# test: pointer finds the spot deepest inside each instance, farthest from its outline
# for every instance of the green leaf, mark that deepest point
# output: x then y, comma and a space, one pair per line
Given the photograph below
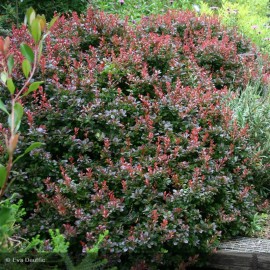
3, 107
3, 175
42, 22
10, 86
54, 19
18, 114
10, 63
36, 30
30, 16
32, 147
27, 52
34, 86
26, 67
5, 215
4, 77
28, 149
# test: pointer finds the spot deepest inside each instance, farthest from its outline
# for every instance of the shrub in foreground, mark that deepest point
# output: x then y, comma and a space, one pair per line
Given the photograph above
137, 140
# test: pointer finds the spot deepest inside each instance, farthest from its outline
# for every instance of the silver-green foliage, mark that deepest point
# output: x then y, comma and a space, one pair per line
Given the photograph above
251, 107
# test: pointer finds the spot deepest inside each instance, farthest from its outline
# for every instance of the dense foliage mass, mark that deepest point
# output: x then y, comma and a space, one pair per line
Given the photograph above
136, 138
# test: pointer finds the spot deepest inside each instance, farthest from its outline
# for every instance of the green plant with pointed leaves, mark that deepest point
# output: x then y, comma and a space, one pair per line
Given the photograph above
37, 28
90, 261
14, 110
10, 214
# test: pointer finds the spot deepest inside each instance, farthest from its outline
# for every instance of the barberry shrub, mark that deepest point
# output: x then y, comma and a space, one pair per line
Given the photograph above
136, 138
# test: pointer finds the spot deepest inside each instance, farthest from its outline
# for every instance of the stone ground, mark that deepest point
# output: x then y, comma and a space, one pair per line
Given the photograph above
247, 245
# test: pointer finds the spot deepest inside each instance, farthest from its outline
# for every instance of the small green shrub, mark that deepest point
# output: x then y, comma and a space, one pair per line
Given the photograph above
10, 215
258, 223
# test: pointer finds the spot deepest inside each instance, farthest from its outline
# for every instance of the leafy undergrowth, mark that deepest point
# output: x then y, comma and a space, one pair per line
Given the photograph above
137, 139
250, 17
260, 223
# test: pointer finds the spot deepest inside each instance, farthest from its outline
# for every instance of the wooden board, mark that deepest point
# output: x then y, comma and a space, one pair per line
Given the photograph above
229, 260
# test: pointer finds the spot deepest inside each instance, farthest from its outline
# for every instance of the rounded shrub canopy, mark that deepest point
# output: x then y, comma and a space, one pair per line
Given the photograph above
136, 138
